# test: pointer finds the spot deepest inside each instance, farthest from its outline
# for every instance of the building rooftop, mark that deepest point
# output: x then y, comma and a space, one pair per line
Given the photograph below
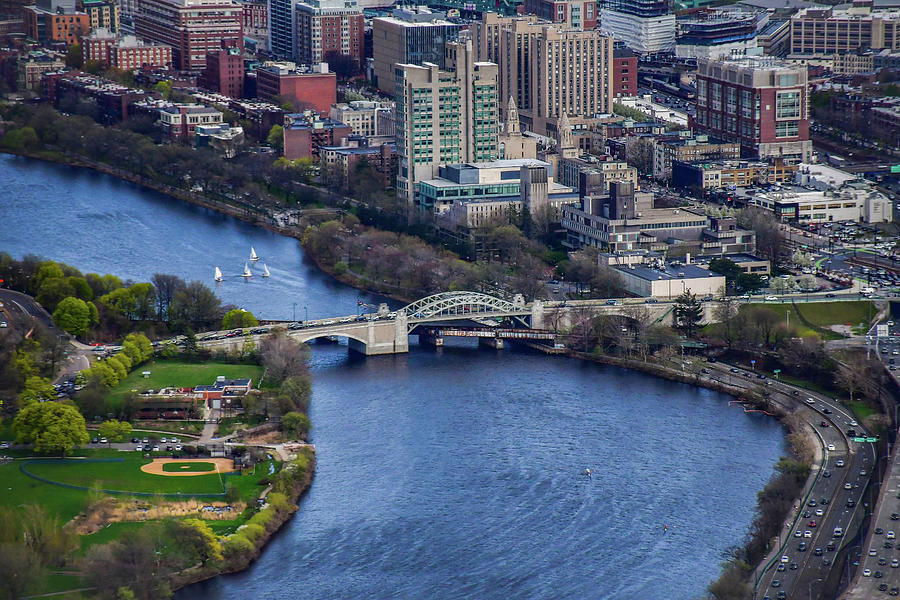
669, 272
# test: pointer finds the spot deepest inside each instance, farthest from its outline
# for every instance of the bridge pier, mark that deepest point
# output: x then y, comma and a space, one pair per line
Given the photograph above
426, 339
491, 342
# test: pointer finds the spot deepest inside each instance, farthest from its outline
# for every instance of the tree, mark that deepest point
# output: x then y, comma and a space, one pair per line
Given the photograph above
276, 138
295, 393
725, 313
121, 300
688, 312
53, 427
114, 430
37, 388
237, 318
20, 570
283, 357
166, 287
164, 88
295, 425
195, 537
74, 57
196, 305
639, 154
73, 315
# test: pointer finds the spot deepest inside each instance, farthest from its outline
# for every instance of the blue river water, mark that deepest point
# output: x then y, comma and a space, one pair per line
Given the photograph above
452, 473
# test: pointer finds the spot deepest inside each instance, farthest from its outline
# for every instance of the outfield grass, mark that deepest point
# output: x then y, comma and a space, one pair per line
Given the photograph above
188, 467
125, 476
174, 373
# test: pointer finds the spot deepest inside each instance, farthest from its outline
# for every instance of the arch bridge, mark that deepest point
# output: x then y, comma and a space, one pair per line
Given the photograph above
387, 332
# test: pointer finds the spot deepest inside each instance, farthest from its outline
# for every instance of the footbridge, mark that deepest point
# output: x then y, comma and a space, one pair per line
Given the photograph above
387, 332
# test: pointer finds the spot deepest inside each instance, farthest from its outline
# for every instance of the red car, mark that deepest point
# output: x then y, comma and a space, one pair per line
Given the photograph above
812, 523
824, 423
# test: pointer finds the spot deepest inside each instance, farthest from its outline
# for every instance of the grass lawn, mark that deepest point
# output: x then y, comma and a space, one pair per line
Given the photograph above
174, 373
111, 532
793, 318
188, 467
852, 312
125, 476
17, 488
59, 582
861, 410
183, 427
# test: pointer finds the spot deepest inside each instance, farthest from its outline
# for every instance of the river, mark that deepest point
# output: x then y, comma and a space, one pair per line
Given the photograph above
451, 473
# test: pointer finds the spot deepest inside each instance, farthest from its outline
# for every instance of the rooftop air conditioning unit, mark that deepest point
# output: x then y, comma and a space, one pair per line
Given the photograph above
681, 274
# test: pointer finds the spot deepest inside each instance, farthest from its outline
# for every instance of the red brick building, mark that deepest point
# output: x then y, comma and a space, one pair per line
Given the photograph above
305, 133
759, 102
192, 28
224, 72
625, 73
329, 26
312, 89
255, 15
124, 52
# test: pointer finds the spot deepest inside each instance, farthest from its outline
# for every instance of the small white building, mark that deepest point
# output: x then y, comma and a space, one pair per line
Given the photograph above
670, 281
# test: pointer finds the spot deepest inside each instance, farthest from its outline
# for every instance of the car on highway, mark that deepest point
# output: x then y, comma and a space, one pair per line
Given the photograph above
890, 535
801, 547
810, 400
826, 473
831, 448
771, 298
824, 423
819, 512
807, 534
867, 573
839, 463
895, 516
873, 552
848, 486
785, 559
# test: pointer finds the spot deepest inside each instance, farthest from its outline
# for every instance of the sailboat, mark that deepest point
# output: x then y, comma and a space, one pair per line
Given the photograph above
246, 272
265, 272
253, 256
218, 276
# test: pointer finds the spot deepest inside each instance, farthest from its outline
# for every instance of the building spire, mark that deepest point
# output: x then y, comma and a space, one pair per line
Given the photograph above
565, 139
512, 118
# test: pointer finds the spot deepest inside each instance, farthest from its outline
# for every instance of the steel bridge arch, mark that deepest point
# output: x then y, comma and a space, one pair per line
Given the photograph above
461, 304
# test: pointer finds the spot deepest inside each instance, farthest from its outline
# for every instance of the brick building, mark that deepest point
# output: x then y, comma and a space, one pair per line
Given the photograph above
224, 72
256, 22
326, 27
114, 101
305, 133
577, 14
314, 88
339, 162
759, 102
124, 51
191, 27
51, 21
625, 73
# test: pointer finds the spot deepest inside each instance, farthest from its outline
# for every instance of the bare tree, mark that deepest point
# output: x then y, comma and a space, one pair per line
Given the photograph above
283, 357
725, 313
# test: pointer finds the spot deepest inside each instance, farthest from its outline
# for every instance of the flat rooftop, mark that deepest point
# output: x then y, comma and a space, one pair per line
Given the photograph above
678, 273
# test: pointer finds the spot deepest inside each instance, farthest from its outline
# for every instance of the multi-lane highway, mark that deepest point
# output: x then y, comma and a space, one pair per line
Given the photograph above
807, 548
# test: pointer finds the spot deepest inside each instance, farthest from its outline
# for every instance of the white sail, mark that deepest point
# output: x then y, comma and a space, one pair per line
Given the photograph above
218, 274
253, 256
247, 272
265, 272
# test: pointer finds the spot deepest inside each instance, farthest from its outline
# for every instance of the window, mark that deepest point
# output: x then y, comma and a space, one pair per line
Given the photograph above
787, 105
786, 129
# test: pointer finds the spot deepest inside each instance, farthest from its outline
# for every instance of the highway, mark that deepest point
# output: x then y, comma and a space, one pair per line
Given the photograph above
804, 571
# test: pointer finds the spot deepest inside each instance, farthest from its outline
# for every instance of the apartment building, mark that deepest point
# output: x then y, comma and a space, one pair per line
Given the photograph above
328, 28
820, 30
645, 26
444, 116
193, 28
412, 36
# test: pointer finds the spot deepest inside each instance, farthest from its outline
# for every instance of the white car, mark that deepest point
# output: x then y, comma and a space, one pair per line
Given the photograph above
867, 572
810, 400
873, 552
819, 512
853, 423
798, 533
785, 559
839, 463
163, 440
807, 534
831, 447
848, 486
890, 535
772, 298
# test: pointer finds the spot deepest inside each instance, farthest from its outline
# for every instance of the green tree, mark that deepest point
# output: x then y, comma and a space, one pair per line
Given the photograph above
52, 291
121, 300
20, 570
196, 536
144, 345
688, 313
81, 287
131, 349
295, 425
24, 138
237, 318
164, 88
114, 430
73, 315
36, 389
116, 365
47, 270
295, 392
74, 56
53, 427
276, 138
144, 296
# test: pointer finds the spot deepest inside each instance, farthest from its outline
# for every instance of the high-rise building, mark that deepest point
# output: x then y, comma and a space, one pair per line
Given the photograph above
549, 70
311, 31
255, 14
577, 14
412, 36
645, 26
192, 27
326, 28
759, 102
444, 116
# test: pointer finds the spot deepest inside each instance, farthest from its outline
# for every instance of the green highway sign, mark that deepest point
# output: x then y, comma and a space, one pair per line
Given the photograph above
859, 440
895, 168
871, 439
862, 440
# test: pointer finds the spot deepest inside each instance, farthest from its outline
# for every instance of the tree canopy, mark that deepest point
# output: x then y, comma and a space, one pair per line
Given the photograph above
237, 318
53, 427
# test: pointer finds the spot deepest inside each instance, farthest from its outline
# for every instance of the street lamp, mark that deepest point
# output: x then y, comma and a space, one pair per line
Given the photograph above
306, 309
295, 312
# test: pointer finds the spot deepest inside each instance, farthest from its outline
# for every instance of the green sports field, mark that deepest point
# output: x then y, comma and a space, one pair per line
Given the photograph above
124, 476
